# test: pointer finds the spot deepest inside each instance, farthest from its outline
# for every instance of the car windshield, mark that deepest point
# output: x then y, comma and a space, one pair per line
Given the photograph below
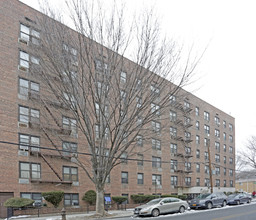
203, 196
232, 195
154, 201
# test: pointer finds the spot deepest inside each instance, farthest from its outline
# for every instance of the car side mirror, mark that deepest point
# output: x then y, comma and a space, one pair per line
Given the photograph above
161, 203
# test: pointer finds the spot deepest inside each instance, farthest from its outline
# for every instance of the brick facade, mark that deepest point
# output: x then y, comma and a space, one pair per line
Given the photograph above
13, 14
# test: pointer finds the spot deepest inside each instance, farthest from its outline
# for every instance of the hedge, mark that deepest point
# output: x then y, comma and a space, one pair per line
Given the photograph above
54, 197
90, 197
147, 198
119, 199
18, 202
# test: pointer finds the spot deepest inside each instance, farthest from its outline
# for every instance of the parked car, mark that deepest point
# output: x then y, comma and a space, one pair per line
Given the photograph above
161, 206
209, 200
238, 198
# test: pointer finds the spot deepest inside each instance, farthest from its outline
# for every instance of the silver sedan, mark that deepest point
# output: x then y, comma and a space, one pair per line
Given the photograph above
161, 206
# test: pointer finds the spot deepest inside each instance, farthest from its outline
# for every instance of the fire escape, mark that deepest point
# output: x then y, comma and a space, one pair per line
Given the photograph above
183, 138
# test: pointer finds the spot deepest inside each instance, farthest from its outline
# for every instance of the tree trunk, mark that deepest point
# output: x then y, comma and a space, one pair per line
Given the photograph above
100, 202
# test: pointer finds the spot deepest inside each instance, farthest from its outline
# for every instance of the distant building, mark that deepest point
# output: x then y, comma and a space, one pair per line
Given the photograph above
246, 181
26, 172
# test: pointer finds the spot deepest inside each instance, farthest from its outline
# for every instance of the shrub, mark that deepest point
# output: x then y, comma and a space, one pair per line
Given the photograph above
119, 199
90, 197
18, 202
54, 197
142, 198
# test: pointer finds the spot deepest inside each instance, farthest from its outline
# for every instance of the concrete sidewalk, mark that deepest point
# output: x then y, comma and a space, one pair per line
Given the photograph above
78, 216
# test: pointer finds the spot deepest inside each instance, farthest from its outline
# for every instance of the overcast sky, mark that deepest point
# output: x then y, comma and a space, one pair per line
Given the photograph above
227, 70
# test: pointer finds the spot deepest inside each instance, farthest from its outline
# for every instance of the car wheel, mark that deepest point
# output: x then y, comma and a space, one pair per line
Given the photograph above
249, 201
224, 203
182, 209
209, 205
155, 212
238, 202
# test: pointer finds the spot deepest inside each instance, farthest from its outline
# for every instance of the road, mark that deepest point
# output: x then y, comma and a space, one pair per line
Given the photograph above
247, 211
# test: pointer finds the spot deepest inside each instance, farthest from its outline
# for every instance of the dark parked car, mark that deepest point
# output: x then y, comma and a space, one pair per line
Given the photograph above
161, 206
238, 198
209, 200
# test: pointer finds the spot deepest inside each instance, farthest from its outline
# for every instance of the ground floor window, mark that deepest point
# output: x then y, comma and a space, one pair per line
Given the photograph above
71, 199
37, 197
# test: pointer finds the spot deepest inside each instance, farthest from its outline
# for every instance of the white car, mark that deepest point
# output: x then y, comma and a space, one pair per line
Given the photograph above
161, 206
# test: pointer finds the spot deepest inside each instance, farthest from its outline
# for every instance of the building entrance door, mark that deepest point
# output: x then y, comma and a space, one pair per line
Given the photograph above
3, 197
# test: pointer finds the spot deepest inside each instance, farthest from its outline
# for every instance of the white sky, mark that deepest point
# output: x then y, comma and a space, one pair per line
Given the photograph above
227, 70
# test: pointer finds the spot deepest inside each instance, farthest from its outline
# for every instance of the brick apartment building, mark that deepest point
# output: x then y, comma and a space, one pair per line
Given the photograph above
197, 131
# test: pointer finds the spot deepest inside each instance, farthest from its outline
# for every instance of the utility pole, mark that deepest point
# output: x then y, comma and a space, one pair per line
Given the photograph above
210, 164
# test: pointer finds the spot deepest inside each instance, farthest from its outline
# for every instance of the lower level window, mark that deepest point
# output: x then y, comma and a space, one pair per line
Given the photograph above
71, 199
37, 197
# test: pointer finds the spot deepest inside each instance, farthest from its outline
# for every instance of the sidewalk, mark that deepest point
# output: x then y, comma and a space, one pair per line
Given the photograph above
78, 216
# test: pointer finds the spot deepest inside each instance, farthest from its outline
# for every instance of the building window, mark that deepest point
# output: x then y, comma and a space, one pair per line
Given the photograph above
197, 139
155, 90
206, 182
27, 141
172, 99
124, 177
217, 147
187, 135
173, 148
139, 140
26, 59
224, 171
224, 136
69, 124
217, 120
231, 183
173, 116
97, 132
156, 144
187, 166
28, 88
224, 124
37, 197
173, 132
206, 169
217, 170
124, 157
224, 148
71, 199
230, 172
207, 116
138, 102
155, 109
197, 111
28, 115
68, 148
174, 164
187, 150
225, 183
186, 105
156, 162
188, 181
230, 160
30, 170
230, 149
217, 158
230, 139
156, 126
174, 180
206, 141
217, 182
207, 130
140, 159
230, 126
197, 154
140, 178
225, 159
197, 181
70, 173
198, 168
123, 96
206, 155
217, 133
156, 179
123, 77
29, 34
197, 125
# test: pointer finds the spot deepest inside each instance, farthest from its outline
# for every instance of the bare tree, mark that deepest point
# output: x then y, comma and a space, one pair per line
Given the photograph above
115, 103
248, 155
